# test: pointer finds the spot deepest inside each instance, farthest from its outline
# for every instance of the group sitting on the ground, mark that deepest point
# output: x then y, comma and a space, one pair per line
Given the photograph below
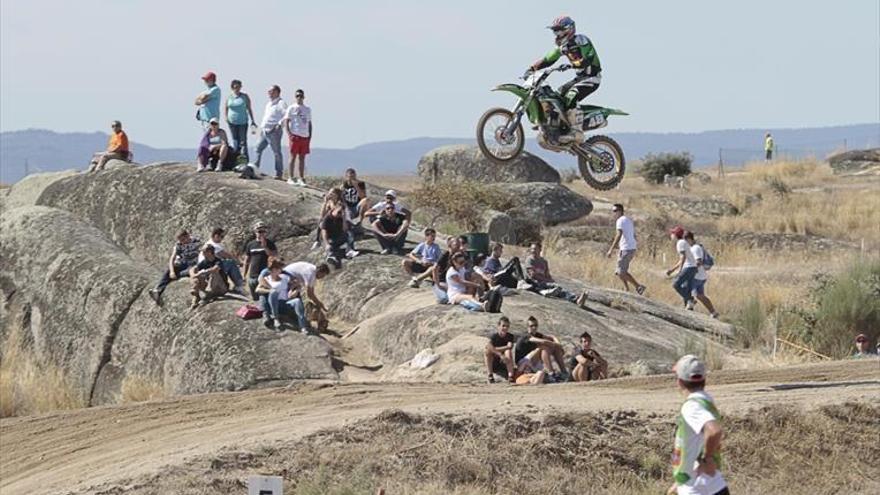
281, 289
117, 148
537, 358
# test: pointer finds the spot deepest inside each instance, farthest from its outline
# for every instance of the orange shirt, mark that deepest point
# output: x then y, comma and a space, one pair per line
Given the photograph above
118, 142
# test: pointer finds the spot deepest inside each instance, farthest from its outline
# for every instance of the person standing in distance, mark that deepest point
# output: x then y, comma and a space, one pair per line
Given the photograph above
237, 111
769, 146
625, 241
270, 130
298, 125
208, 101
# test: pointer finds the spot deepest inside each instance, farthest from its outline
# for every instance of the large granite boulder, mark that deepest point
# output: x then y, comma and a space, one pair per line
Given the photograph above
855, 161
463, 162
546, 203
81, 304
695, 207
142, 208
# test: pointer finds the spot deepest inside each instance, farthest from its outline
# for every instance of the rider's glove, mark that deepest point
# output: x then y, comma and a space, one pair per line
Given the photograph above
528, 73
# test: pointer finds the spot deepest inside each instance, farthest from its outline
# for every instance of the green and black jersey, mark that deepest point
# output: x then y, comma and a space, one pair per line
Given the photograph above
580, 52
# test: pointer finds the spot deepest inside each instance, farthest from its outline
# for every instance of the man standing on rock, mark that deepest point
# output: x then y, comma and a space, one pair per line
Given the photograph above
271, 131
625, 241
208, 100
696, 457
297, 123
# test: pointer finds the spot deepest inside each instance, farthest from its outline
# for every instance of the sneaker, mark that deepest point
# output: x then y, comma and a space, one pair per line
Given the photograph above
156, 296
305, 331
582, 299
267, 322
316, 245
334, 261
278, 177
195, 302
640, 290
414, 283
238, 289
292, 182
689, 305
351, 253
300, 181
491, 379
200, 169
277, 324
522, 285
386, 251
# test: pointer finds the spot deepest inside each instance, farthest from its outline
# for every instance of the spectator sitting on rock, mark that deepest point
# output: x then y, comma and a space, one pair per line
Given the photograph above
541, 281
354, 194
276, 295
420, 262
625, 242
457, 285
257, 253
303, 277
863, 347
439, 272
333, 232
184, 255
390, 229
214, 146
378, 208
509, 275
227, 260
699, 284
686, 266
117, 148
586, 364
499, 352
333, 200
536, 351
208, 276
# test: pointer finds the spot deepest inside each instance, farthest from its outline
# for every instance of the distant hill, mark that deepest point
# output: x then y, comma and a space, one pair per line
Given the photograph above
44, 150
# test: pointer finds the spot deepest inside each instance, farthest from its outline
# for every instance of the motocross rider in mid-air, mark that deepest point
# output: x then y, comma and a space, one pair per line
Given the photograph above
580, 52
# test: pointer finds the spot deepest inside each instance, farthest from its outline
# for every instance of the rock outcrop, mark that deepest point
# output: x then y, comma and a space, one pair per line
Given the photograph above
546, 203
696, 207
462, 162
855, 161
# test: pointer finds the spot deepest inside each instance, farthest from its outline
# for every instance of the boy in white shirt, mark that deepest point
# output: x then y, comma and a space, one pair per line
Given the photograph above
698, 288
298, 125
686, 266
696, 457
625, 242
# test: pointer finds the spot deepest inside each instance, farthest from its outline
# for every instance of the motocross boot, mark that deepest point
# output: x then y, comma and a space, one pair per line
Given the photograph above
575, 120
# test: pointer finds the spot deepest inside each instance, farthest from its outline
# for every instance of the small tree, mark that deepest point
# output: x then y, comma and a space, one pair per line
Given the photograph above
463, 202
656, 166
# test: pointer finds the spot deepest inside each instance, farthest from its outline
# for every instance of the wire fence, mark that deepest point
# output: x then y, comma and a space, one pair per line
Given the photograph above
796, 150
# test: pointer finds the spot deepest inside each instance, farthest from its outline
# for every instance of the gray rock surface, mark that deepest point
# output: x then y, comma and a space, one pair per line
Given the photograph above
463, 162
81, 303
546, 203
855, 161
696, 207
142, 208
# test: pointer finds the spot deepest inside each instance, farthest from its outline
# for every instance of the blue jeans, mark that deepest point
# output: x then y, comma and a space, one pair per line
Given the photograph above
275, 307
233, 271
180, 271
684, 282
272, 138
239, 138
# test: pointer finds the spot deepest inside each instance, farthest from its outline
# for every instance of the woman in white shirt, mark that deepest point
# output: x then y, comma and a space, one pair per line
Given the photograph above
702, 276
686, 266
275, 292
458, 284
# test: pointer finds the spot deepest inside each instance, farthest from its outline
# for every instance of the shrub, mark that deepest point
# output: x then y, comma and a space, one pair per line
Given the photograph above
656, 166
463, 202
752, 319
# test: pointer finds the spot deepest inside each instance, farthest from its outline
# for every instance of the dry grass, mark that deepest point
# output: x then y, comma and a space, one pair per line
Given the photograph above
28, 385
136, 389
611, 453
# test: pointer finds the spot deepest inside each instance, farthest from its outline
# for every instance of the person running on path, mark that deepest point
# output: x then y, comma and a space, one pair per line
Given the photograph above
625, 242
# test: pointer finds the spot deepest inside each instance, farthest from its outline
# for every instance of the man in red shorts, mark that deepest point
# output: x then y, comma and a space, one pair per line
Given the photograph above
298, 123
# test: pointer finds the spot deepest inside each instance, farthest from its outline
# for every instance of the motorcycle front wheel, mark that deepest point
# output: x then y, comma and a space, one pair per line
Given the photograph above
604, 168
497, 142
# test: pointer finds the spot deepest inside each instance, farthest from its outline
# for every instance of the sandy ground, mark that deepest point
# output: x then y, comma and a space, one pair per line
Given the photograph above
80, 451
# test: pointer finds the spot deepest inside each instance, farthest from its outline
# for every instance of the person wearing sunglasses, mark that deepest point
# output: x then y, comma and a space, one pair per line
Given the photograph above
213, 148
117, 148
390, 229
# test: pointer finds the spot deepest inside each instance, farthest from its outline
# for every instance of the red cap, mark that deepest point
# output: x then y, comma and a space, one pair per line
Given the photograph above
209, 75
861, 338
678, 231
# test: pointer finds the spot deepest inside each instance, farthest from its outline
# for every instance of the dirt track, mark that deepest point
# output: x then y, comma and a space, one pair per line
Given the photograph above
78, 451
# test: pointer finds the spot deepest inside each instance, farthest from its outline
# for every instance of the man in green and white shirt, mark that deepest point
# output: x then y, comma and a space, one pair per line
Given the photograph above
696, 458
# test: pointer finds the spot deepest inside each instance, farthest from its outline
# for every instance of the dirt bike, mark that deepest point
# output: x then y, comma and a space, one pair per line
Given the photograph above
500, 131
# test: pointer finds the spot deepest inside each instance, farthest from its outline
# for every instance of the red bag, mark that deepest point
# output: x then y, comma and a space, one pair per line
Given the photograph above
249, 312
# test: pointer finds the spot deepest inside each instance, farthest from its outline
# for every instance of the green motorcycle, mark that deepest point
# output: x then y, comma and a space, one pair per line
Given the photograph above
500, 131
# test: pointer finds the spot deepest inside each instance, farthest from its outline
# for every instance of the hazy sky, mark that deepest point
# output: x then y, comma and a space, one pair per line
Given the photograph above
382, 70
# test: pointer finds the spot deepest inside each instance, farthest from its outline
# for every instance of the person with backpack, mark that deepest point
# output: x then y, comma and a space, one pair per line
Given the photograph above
686, 267
696, 455
698, 288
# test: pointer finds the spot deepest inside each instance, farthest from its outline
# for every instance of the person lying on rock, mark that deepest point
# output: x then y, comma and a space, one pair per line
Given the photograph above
419, 263
207, 276
586, 364
533, 378
390, 230
541, 281
499, 352
184, 255
458, 285
303, 277
536, 351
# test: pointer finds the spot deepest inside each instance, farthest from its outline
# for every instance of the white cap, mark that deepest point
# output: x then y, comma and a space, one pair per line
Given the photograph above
214, 120
391, 192
690, 369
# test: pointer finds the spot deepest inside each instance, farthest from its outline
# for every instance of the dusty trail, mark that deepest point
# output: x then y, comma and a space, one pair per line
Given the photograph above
77, 451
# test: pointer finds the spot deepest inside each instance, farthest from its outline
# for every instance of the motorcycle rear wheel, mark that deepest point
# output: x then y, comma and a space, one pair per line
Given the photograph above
608, 173
496, 146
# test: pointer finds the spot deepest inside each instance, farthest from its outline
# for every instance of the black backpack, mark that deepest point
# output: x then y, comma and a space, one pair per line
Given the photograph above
494, 299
